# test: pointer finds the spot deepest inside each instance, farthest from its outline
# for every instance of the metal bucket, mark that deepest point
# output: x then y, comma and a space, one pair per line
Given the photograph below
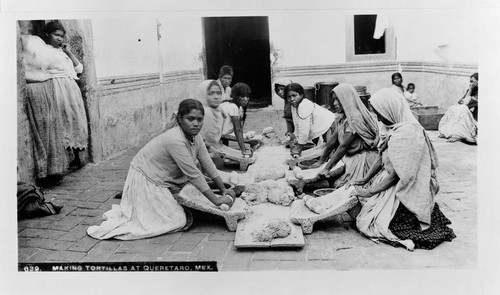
309, 92
323, 90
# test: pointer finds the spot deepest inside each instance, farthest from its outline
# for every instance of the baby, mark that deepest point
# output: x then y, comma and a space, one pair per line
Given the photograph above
411, 96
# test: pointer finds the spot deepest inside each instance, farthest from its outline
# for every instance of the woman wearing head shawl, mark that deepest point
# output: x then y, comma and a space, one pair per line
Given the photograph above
210, 96
400, 208
279, 88
354, 139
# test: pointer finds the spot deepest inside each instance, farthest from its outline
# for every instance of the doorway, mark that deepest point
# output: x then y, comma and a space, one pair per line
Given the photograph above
243, 44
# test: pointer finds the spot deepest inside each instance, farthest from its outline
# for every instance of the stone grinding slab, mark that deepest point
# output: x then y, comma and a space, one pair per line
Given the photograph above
225, 152
191, 197
254, 142
311, 175
340, 201
309, 154
260, 217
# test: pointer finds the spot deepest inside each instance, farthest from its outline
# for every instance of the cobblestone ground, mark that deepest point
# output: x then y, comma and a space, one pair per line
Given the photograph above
334, 244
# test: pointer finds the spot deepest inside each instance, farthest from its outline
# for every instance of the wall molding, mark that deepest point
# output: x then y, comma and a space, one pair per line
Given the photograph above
456, 69
117, 84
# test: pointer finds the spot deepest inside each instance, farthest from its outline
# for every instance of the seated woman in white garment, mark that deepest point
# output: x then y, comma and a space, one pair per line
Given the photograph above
460, 121
399, 207
234, 112
311, 121
354, 139
158, 171
210, 96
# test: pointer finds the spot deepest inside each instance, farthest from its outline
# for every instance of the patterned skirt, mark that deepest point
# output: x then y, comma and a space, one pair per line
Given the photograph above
405, 225
46, 128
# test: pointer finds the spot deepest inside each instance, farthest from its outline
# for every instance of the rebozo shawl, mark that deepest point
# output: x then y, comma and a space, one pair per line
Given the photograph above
358, 117
411, 153
214, 119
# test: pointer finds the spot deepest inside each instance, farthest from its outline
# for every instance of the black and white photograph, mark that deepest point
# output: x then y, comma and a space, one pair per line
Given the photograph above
230, 146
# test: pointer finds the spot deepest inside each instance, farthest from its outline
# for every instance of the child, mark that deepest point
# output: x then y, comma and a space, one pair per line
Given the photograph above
412, 97
279, 88
234, 112
310, 120
225, 78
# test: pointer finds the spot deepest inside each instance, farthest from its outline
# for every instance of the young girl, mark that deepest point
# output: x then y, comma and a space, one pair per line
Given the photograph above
235, 113
310, 120
412, 97
279, 88
225, 78
159, 170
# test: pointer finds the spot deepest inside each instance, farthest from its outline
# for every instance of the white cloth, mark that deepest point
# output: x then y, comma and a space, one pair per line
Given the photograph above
413, 99
229, 110
146, 210
459, 123
311, 121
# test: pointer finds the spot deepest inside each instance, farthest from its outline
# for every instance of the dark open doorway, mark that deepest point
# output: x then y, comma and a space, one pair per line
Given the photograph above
243, 44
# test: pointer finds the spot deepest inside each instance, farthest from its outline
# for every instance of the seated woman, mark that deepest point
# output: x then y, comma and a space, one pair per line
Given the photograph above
460, 121
234, 112
209, 94
279, 88
159, 170
354, 139
400, 207
310, 120
412, 97
397, 82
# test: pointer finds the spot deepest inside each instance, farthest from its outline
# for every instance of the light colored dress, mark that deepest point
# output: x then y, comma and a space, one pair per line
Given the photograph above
147, 207
229, 110
413, 99
226, 93
310, 121
68, 97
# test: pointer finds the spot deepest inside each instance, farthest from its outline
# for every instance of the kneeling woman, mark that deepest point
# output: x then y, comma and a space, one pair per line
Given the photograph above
400, 208
354, 139
311, 121
158, 171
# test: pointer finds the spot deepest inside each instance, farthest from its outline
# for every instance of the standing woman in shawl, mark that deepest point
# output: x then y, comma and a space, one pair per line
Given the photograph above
49, 153
354, 139
63, 68
225, 78
400, 208
460, 121
310, 120
158, 171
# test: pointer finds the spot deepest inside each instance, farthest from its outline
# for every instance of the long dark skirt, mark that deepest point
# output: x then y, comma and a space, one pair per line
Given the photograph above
405, 225
49, 152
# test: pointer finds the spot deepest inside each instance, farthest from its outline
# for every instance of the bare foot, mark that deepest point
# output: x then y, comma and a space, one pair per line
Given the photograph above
441, 135
452, 139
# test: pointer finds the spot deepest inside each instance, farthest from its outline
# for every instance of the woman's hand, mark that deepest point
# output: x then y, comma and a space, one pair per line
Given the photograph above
323, 173
361, 192
66, 48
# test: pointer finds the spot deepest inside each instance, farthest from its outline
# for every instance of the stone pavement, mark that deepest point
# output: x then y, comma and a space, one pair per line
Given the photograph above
333, 245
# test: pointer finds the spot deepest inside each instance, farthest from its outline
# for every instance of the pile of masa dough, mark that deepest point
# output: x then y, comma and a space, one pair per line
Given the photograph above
278, 192
270, 138
276, 228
